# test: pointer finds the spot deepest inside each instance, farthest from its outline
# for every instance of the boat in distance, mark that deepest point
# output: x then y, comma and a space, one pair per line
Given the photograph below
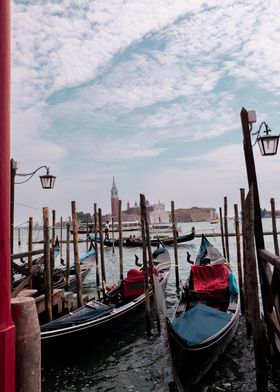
118, 308
126, 226
132, 242
205, 320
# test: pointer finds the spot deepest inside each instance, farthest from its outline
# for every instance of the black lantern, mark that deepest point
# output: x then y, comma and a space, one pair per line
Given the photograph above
268, 144
47, 181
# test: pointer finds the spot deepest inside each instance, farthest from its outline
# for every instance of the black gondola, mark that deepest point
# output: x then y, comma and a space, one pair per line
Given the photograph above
118, 308
205, 319
135, 242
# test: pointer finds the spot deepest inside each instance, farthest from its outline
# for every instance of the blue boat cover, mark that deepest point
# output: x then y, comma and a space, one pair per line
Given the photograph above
86, 255
83, 257
80, 316
200, 323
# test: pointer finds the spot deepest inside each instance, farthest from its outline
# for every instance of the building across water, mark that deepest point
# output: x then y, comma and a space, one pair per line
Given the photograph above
156, 213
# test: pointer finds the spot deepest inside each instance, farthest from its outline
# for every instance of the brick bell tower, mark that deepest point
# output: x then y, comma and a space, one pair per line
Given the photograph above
114, 199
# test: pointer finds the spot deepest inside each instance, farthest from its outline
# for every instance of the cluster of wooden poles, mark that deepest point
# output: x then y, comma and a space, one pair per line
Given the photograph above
258, 276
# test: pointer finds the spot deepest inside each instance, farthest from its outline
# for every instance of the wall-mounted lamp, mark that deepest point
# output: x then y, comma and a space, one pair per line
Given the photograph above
268, 143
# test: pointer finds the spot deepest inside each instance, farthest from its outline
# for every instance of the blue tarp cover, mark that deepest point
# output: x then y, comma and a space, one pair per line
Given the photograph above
80, 316
200, 323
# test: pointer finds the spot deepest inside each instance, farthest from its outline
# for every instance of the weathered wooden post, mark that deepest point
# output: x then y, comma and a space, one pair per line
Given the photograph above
246, 298
258, 228
120, 239
87, 237
222, 232
226, 227
67, 255
252, 292
175, 245
103, 273
53, 228
30, 245
96, 248
145, 267
19, 240
60, 237
113, 235
238, 250
274, 226
151, 266
76, 255
47, 265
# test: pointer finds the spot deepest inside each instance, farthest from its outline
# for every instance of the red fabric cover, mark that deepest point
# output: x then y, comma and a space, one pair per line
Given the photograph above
133, 284
133, 272
210, 280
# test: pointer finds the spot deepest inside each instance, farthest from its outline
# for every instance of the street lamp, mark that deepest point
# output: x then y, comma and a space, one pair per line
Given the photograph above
47, 182
268, 143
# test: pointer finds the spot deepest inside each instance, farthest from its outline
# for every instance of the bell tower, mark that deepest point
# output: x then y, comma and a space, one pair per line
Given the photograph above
114, 199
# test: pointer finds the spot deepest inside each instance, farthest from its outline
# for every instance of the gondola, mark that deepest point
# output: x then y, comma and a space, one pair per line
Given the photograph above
59, 272
86, 263
205, 319
135, 242
119, 307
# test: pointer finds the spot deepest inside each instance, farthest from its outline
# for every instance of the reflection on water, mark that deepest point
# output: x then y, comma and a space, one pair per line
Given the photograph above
132, 362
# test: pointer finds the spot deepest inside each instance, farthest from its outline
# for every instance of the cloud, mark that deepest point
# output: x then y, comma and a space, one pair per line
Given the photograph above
104, 87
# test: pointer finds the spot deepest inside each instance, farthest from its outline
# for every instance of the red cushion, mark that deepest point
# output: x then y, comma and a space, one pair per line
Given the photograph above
210, 280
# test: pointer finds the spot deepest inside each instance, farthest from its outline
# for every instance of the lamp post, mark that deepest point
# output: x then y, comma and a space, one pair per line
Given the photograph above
47, 182
268, 146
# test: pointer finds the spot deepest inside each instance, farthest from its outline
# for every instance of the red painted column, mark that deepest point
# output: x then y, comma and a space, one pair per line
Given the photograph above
7, 328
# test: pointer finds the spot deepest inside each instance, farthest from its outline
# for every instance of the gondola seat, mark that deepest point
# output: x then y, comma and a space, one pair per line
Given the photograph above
210, 281
133, 284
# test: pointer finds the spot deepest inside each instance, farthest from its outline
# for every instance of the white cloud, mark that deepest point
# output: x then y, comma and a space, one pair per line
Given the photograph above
122, 82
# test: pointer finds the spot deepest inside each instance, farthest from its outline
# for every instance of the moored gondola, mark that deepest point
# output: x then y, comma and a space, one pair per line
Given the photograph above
132, 242
117, 309
205, 319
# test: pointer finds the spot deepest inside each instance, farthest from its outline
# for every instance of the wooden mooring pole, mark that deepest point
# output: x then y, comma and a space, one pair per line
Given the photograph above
76, 255
226, 228
61, 239
151, 267
47, 265
175, 246
239, 265
145, 267
103, 273
53, 228
222, 232
30, 245
67, 255
19, 240
252, 293
120, 239
274, 227
113, 235
96, 248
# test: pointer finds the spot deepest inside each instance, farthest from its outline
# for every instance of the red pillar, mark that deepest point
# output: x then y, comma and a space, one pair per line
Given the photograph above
7, 328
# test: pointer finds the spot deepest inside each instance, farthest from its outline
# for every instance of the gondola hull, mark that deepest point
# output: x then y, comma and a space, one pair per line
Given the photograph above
154, 242
205, 319
102, 318
190, 364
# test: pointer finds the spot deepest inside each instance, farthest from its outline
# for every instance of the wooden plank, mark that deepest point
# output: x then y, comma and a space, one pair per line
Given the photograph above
26, 254
57, 299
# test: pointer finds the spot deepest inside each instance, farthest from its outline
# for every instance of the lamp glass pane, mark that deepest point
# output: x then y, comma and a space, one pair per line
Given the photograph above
268, 145
47, 181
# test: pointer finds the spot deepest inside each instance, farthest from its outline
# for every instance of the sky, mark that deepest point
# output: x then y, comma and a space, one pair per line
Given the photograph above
148, 91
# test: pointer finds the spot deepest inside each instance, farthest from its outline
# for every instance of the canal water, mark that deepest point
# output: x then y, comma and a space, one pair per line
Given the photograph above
131, 361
